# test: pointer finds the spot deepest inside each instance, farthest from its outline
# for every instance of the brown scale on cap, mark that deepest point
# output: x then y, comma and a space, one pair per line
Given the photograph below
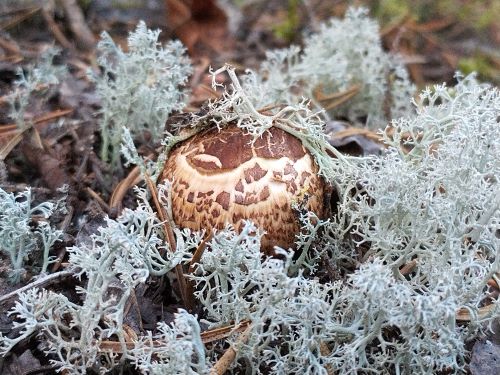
220, 177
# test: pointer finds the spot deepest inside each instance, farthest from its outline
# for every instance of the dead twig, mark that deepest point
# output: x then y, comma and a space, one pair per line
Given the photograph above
132, 179
84, 38
11, 135
464, 315
40, 120
10, 46
199, 252
41, 282
98, 199
222, 365
223, 332
8, 146
206, 337
352, 131
331, 101
408, 267
13, 59
53, 27
167, 227
25, 14
431, 26
192, 266
399, 23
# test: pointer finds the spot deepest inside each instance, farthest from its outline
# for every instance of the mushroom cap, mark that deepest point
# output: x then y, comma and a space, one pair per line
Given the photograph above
220, 177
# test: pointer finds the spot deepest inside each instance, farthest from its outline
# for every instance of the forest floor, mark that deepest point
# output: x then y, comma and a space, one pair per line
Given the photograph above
61, 147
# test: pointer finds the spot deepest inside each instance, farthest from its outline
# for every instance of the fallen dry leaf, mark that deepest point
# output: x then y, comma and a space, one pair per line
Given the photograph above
200, 24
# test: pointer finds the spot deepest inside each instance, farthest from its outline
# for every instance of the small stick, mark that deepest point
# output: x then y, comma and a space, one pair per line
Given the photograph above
10, 144
170, 239
431, 26
16, 20
54, 28
161, 213
81, 32
199, 252
397, 24
195, 259
46, 280
98, 199
325, 350
358, 131
267, 108
133, 178
464, 315
222, 365
408, 267
42, 119
214, 94
10, 46
223, 332
206, 337
336, 99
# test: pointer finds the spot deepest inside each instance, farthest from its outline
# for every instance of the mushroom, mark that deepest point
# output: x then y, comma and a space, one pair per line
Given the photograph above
222, 176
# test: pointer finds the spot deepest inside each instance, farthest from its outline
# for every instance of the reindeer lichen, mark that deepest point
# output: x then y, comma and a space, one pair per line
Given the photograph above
139, 88
344, 55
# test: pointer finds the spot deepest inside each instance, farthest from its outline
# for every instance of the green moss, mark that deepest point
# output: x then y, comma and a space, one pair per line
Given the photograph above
84, 4
287, 30
387, 10
481, 64
477, 14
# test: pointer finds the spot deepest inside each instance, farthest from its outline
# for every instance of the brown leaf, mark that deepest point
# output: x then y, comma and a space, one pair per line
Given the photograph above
51, 169
200, 24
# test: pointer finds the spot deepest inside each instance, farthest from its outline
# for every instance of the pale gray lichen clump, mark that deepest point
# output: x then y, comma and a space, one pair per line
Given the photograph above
121, 255
20, 237
139, 88
343, 54
36, 79
432, 199
175, 349
436, 188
